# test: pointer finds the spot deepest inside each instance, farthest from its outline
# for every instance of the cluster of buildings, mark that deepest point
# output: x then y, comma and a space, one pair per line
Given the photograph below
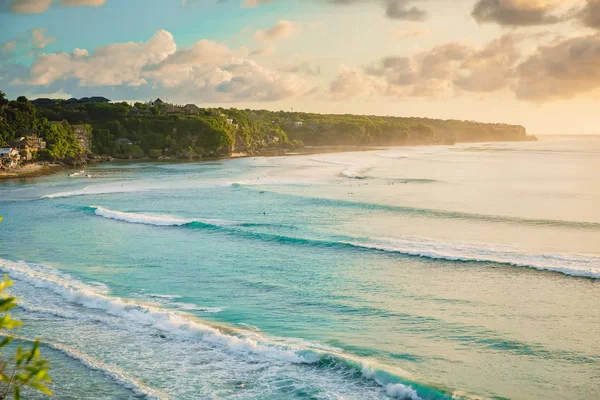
22, 149
167, 108
45, 102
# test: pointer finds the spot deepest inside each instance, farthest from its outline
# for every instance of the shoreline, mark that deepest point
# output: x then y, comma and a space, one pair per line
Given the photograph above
36, 170
32, 170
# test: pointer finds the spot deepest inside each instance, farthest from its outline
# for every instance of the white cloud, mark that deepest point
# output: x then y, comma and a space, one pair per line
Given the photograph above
79, 3
255, 3
39, 38
406, 33
31, 6
114, 64
207, 71
281, 30
41, 6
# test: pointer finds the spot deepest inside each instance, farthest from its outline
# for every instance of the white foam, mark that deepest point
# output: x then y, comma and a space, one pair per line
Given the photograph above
105, 189
579, 265
156, 219
111, 371
148, 219
147, 315
184, 326
194, 307
164, 296
393, 156
395, 390
352, 171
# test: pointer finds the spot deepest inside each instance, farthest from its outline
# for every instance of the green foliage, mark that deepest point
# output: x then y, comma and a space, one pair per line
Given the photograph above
20, 118
60, 140
211, 132
26, 368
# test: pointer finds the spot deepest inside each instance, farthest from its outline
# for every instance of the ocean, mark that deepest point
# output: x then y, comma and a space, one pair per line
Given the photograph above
469, 271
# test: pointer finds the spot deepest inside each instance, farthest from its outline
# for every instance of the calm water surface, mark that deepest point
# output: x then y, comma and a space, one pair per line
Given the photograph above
469, 271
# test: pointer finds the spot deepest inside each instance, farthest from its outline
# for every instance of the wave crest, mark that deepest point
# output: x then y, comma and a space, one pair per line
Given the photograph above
577, 265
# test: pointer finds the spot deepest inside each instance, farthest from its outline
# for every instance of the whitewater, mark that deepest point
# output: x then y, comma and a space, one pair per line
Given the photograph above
417, 273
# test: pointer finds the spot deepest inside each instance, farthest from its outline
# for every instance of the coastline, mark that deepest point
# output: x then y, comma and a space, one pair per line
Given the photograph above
35, 170
32, 170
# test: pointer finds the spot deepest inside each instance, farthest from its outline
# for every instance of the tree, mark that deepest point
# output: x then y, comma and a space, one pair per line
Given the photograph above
3, 99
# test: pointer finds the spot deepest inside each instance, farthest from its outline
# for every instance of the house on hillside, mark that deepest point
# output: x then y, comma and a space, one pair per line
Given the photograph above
99, 100
29, 145
173, 109
9, 157
134, 111
192, 109
94, 100
157, 102
298, 124
43, 102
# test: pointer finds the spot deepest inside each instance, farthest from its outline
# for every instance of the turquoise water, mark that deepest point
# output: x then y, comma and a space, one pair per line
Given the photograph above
469, 271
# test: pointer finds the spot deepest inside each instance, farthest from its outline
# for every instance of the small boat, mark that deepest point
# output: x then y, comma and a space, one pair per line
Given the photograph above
88, 176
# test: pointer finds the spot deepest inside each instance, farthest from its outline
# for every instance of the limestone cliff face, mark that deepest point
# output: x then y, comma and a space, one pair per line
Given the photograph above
83, 134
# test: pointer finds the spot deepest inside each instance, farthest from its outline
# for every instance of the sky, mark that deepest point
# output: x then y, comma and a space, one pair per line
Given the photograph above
530, 62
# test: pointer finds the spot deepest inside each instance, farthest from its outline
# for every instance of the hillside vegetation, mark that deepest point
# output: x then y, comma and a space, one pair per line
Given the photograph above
123, 131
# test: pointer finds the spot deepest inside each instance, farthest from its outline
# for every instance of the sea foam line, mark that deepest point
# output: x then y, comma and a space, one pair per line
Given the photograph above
156, 219
577, 265
181, 325
352, 171
112, 372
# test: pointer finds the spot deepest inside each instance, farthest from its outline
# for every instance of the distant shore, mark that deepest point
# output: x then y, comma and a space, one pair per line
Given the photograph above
32, 170
35, 170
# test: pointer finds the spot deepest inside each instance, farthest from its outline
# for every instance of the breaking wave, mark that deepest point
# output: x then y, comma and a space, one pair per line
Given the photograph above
238, 342
576, 265
352, 171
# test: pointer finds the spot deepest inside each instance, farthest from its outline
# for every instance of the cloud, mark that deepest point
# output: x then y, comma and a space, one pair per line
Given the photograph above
9, 46
428, 74
406, 33
533, 12
114, 64
268, 38
281, 30
351, 82
78, 3
590, 14
516, 12
264, 51
26, 45
255, 3
207, 71
30, 6
442, 71
394, 9
41, 6
400, 9
39, 38
303, 67
491, 68
563, 69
